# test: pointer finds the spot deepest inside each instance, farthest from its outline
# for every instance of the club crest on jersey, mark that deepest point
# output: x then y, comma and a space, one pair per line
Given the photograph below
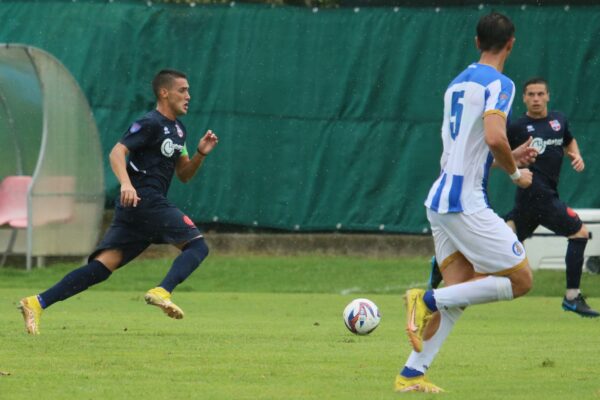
555, 125
166, 130
167, 148
179, 131
135, 127
517, 248
530, 128
502, 100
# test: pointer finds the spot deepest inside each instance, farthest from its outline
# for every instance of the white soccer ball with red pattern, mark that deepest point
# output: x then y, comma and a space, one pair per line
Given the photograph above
361, 316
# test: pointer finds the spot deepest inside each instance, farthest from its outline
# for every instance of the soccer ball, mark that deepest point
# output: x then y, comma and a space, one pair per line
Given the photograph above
361, 316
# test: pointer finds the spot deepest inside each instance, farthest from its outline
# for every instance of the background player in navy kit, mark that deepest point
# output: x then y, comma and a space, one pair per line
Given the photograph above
144, 161
539, 204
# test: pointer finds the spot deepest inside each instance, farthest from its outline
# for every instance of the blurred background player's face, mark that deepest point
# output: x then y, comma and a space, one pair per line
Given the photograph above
178, 96
536, 98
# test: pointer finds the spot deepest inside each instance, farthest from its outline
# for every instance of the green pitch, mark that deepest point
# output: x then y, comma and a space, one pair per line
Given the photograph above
271, 328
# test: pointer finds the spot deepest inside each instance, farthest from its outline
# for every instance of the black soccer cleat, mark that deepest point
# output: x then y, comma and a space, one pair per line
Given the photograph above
579, 306
435, 275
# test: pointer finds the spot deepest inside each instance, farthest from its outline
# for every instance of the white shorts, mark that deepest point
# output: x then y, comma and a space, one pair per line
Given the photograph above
483, 238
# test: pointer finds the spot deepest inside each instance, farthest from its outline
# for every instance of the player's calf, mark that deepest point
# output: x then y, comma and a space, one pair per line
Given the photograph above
521, 281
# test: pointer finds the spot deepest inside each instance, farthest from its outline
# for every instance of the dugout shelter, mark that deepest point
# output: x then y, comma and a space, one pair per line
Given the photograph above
52, 178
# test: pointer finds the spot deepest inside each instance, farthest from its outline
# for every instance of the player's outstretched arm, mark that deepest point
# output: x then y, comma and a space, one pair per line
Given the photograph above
186, 167
494, 127
572, 150
118, 164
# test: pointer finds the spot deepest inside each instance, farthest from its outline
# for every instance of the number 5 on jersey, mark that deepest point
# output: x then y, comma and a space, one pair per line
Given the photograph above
456, 113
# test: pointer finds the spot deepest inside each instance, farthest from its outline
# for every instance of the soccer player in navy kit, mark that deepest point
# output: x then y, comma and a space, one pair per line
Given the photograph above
540, 204
144, 161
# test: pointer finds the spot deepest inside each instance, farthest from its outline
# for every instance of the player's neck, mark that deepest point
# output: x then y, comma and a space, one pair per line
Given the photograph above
494, 60
540, 115
166, 112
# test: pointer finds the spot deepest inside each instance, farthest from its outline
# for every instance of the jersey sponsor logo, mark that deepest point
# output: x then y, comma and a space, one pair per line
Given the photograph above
540, 144
166, 130
554, 124
179, 131
135, 127
517, 248
530, 128
167, 148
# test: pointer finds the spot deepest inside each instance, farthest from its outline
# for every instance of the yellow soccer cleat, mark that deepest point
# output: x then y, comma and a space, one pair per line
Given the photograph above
161, 298
417, 316
416, 384
31, 309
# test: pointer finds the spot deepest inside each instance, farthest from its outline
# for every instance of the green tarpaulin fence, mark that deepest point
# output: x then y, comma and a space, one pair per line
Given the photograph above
328, 118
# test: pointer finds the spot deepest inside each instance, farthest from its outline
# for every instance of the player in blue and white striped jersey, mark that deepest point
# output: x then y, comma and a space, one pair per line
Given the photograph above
480, 257
466, 158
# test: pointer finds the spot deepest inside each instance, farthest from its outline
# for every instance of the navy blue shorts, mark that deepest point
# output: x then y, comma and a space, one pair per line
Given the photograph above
541, 206
155, 220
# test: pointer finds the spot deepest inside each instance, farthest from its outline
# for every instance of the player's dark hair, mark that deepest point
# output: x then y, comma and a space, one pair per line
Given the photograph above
165, 78
534, 81
494, 30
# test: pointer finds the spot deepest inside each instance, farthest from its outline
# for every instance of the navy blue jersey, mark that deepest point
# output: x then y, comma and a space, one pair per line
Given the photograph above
550, 134
155, 144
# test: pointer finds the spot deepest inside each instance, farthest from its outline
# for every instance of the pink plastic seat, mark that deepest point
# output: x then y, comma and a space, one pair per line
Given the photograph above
18, 223
13, 207
13, 199
56, 204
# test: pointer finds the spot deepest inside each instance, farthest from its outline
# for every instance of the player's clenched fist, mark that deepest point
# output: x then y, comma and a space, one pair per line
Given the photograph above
207, 143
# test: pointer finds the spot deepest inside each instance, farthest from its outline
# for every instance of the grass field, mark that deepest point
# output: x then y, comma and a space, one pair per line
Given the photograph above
270, 328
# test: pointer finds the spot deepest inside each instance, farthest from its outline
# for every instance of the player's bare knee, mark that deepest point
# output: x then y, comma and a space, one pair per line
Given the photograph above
583, 233
111, 259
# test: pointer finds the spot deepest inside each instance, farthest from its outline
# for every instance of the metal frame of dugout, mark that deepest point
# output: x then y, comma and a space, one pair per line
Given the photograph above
50, 141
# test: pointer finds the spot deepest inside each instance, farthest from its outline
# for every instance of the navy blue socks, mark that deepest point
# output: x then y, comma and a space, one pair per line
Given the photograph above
75, 282
95, 272
574, 261
190, 258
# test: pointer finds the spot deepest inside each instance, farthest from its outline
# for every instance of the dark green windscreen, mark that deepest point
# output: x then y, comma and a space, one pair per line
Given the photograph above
328, 119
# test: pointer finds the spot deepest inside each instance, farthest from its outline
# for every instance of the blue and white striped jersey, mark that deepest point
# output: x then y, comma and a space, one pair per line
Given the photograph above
478, 91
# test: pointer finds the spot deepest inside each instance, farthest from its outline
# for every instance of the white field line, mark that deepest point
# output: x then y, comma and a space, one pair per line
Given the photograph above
384, 289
